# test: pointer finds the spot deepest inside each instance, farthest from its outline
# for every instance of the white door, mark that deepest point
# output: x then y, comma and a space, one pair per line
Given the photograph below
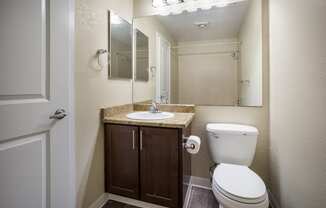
163, 70
35, 68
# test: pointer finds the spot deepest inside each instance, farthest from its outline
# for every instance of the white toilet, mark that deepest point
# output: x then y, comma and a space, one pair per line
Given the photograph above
232, 147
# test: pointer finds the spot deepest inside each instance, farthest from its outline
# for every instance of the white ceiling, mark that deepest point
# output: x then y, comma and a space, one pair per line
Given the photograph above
224, 23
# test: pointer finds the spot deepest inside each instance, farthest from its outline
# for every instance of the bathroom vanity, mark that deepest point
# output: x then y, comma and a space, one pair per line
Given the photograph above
146, 159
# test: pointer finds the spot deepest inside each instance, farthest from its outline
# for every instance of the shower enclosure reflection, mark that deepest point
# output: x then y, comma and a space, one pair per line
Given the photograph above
208, 57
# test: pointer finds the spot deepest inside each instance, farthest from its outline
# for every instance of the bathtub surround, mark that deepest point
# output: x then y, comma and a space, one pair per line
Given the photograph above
207, 65
297, 104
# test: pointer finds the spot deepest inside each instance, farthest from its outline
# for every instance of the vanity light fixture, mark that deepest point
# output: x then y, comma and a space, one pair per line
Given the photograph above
115, 19
167, 7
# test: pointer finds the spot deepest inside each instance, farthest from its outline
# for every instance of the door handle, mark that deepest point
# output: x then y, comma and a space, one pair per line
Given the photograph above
133, 139
59, 114
141, 140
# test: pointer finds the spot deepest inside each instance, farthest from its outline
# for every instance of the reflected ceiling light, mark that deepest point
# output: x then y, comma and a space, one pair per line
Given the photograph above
222, 4
171, 2
206, 6
176, 11
201, 25
191, 7
159, 3
178, 6
164, 12
115, 19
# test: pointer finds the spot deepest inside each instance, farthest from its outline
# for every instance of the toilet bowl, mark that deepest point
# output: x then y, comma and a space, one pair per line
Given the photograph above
237, 186
232, 147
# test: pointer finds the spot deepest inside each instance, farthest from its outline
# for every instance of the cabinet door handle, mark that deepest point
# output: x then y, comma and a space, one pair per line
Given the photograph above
133, 139
141, 140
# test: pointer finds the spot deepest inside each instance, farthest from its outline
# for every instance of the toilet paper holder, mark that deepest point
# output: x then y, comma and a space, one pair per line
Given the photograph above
187, 146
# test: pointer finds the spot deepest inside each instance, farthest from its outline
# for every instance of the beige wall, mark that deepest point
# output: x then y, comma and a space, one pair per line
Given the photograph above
298, 102
251, 52
93, 91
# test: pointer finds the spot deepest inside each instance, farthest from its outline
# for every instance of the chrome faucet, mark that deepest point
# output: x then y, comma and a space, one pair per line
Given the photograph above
154, 107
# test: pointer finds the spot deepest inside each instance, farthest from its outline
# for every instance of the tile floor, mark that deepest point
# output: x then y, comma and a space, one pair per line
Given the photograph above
199, 198
202, 198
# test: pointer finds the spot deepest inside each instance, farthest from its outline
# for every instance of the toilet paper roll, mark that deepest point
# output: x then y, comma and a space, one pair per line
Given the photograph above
193, 144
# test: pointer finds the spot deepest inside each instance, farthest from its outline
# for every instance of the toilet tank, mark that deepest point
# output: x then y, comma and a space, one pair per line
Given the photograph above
232, 143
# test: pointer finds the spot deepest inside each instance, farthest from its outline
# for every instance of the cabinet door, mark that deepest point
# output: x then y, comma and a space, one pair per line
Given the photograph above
159, 166
122, 160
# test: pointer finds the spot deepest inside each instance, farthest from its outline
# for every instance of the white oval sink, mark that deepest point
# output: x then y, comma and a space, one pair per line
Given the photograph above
145, 115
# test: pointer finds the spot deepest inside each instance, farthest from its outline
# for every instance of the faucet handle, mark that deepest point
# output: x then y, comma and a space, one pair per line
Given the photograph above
154, 107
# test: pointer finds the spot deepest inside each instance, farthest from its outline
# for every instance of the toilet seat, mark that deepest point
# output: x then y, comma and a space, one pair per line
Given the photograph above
239, 183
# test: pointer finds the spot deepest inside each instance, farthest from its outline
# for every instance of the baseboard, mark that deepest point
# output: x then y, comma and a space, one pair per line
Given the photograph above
188, 194
98, 203
272, 200
194, 182
101, 201
201, 182
133, 202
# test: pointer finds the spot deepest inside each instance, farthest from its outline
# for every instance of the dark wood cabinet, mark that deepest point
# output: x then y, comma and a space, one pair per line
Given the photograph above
122, 175
159, 166
147, 163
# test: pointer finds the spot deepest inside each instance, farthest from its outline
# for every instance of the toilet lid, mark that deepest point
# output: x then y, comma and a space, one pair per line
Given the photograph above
239, 183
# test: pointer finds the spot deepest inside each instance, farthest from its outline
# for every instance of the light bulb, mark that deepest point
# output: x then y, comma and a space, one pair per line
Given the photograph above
158, 3
171, 2
191, 7
164, 12
206, 6
222, 4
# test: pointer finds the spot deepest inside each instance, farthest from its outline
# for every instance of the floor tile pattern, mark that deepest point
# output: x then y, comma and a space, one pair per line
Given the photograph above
202, 198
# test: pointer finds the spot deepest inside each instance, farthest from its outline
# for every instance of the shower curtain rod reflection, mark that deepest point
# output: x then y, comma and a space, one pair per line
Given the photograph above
237, 43
232, 53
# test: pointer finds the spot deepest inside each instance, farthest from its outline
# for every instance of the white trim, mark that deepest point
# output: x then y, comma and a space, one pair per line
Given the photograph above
194, 182
272, 200
100, 202
158, 66
71, 106
188, 194
201, 182
159, 39
133, 202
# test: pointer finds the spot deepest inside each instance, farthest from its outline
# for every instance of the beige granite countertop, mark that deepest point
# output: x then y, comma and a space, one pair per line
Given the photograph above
183, 115
180, 120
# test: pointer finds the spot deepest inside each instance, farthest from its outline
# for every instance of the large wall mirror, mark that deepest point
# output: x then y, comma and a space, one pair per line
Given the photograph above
209, 57
120, 47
